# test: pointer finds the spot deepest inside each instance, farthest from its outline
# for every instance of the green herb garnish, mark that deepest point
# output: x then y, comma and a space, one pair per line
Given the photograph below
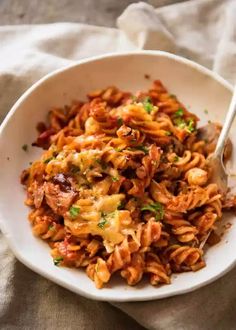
168, 133
180, 122
176, 158
25, 147
190, 127
179, 112
74, 211
46, 161
148, 106
103, 221
119, 121
114, 179
118, 149
173, 96
105, 217
156, 208
121, 205
142, 148
51, 227
57, 261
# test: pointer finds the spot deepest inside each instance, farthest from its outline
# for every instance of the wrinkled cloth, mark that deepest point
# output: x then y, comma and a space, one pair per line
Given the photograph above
201, 30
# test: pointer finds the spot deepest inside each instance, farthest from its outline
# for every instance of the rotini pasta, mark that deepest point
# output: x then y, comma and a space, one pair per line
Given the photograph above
124, 185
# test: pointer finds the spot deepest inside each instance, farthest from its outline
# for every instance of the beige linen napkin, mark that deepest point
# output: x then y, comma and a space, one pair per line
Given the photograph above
202, 30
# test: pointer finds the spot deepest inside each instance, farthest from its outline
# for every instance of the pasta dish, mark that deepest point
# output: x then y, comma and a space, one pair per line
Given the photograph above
123, 186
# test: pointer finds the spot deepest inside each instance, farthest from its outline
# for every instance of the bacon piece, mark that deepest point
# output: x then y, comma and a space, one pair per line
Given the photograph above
63, 181
58, 200
43, 140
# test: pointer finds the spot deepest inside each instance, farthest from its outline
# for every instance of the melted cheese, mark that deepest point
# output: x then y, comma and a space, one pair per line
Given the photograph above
99, 217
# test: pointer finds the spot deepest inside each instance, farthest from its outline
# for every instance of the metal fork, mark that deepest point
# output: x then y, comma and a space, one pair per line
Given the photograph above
219, 174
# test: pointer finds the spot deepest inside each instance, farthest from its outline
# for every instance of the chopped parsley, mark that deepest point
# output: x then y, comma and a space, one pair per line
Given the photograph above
105, 218
156, 208
51, 227
114, 178
74, 211
180, 122
119, 121
148, 106
25, 147
118, 149
103, 221
187, 125
176, 158
46, 161
142, 148
179, 112
173, 96
121, 205
168, 133
57, 261
190, 127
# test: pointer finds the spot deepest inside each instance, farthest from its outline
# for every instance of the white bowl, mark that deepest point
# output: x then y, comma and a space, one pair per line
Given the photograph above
195, 86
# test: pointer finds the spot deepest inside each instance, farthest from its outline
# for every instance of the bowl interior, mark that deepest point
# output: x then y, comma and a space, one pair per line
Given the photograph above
196, 88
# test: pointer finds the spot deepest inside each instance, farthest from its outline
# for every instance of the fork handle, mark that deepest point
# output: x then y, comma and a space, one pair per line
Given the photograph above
227, 124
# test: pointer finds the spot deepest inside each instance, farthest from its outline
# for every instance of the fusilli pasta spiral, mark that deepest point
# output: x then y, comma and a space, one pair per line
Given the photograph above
124, 185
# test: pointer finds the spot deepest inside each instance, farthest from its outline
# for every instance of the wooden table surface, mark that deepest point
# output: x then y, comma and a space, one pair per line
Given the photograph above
96, 12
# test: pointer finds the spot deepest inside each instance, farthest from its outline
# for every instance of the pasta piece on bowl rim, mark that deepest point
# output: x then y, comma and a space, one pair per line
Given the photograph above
120, 242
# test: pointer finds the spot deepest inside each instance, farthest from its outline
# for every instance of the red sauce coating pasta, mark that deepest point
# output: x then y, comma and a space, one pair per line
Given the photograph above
123, 185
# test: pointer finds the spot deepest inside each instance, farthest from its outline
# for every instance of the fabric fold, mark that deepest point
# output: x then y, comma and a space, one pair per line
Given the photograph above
200, 30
